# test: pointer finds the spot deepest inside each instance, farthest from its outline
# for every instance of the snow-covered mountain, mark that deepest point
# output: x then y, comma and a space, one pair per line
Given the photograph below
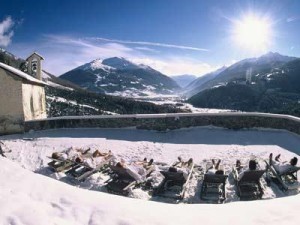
119, 76
10, 59
271, 86
257, 66
268, 60
184, 80
64, 98
194, 86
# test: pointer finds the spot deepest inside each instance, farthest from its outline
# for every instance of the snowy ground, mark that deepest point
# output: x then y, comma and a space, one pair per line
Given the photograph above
42, 199
179, 102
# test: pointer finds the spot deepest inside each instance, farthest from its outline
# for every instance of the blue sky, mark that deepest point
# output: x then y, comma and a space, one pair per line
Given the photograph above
173, 36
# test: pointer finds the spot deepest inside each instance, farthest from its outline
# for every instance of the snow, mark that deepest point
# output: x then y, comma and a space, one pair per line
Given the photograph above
143, 66
21, 74
179, 103
45, 76
97, 64
63, 100
47, 79
203, 110
109, 112
99, 78
220, 85
135, 93
42, 200
52, 84
147, 92
178, 115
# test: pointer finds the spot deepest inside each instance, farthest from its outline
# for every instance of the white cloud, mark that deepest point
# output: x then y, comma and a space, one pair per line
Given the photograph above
292, 19
63, 53
176, 65
6, 32
149, 43
147, 49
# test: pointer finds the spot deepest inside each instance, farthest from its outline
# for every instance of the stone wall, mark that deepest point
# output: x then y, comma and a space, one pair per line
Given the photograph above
164, 122
11, 110
11, 125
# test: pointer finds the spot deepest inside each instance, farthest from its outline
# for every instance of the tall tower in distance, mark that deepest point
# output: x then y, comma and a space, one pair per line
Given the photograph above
34, 65
249, 75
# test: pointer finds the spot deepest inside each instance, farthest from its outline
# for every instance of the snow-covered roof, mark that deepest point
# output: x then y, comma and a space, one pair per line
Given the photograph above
178, 115
37, 54
21, 74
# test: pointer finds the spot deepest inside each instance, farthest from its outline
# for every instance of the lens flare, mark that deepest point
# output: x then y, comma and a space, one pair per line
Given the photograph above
253, 33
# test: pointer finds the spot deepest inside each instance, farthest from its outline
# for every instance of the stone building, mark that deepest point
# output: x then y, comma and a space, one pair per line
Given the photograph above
22, 97
34, 62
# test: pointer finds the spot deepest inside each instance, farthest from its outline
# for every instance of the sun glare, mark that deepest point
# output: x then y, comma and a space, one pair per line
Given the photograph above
253, 33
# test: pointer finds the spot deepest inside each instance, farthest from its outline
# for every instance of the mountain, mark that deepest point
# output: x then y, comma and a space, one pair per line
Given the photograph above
118, 76
195, 86
68, 102
256, 66
64, 98
56, 82
274, 87
184, 80
10, 59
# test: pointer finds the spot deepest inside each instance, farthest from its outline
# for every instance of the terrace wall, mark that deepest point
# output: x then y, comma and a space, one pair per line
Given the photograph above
163, 122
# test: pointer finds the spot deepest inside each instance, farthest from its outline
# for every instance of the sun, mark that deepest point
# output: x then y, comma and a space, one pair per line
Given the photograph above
253, 33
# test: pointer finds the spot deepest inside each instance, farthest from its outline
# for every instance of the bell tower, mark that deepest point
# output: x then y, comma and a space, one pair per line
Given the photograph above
34, 65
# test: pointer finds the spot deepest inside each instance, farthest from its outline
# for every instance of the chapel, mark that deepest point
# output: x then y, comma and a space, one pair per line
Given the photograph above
22, 95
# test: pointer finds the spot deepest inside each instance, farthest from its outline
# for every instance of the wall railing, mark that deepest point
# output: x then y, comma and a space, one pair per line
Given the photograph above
231, 120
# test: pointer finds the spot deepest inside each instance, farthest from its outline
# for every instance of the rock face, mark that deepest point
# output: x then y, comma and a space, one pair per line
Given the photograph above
118, 76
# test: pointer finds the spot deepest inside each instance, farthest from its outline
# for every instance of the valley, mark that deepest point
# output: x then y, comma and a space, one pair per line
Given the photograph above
149, 112
269, 83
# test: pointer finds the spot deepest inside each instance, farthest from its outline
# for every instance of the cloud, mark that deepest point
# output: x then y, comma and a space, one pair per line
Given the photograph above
176, 65
149, 44
63, 53
6, 32
147, 49
292, 19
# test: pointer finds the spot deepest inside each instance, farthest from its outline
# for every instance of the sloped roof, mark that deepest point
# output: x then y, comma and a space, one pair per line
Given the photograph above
37, 54
21, 74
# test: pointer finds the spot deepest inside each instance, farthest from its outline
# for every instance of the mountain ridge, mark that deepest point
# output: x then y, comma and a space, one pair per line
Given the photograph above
272, 90
115, 75
64, 98
184, 80
238, 70
193, 87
